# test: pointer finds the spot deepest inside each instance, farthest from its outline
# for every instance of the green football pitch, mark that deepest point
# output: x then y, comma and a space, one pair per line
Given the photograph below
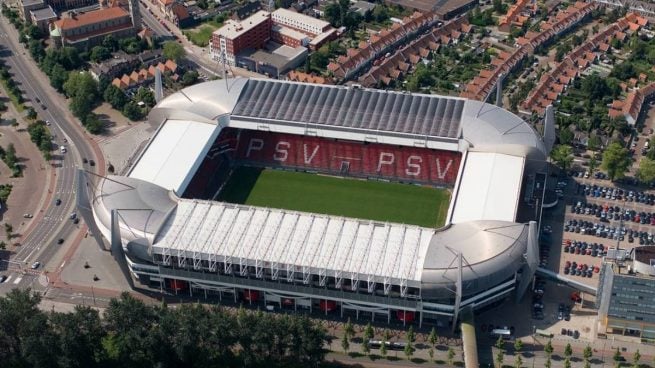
373, 200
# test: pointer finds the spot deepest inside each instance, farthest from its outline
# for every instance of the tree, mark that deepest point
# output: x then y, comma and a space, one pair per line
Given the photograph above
110, 43
146, 96
348, 329
82, 89
10, 155
9, 229
433, 338
80, 337
365, 345
500, 357
548, 363
518, 361
562, 155
565, 136
594, 143
93, 124
190, 77
411, 336
616, 161
593, 164
99, 53
31, 113
567, 362
409, 349
451, 355
383, 347
36, 50
568, 351
548, 348
500, 343
368, 331
115, 97
617, 357
58, 76
3, 245
587, 353
636, 357
345, 344
431, 353
646, 172
173, 51
132, 111
518, 346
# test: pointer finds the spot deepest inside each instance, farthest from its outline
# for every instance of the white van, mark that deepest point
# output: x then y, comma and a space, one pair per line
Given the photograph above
62, 149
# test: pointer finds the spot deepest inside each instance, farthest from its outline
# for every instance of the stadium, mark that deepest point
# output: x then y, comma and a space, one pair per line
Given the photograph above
330, 199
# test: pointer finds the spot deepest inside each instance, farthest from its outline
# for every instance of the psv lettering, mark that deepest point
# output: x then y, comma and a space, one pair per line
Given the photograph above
281, 151
255, 144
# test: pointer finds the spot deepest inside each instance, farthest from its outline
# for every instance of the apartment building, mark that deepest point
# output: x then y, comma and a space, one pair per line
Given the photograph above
300, 22
236, 36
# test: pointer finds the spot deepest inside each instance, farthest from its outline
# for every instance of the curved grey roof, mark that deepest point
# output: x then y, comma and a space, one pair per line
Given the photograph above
142, 207
493, 129
491, 252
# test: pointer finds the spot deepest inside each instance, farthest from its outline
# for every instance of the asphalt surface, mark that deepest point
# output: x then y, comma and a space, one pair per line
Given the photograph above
152, 23
40, 245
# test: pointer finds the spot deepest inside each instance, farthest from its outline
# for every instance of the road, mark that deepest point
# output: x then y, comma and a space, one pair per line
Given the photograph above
53, 223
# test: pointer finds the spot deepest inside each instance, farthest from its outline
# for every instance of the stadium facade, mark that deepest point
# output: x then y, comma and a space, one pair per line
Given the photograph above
166, 230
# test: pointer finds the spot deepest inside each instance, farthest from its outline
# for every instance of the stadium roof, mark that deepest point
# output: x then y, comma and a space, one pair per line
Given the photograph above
388, 117
177, 148
354, 108
256, 236
143, 207
489, 187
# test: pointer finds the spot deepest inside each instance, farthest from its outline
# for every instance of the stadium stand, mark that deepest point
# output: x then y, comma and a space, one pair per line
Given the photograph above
486, 251
349, 158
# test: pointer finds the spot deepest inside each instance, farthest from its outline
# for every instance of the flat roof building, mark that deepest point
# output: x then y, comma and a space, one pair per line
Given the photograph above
300, 22
236, 36
25, 6
626, 303
42, 18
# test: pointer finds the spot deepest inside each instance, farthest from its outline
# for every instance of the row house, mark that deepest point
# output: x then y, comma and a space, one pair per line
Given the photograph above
517, 15
380, 44
631, 107
393, 67
481, 87
145, 76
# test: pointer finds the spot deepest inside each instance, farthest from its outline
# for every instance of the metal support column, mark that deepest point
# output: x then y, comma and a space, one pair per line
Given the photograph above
458, 291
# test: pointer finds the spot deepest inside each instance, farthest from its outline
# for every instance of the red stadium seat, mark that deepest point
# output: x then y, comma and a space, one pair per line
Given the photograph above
415, 164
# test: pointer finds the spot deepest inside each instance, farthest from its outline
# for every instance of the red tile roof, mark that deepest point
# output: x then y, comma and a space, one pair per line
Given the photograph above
91, 17
180, 11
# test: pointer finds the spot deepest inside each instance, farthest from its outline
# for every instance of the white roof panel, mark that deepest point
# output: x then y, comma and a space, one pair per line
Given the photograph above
490, 188
296, 241
174, 153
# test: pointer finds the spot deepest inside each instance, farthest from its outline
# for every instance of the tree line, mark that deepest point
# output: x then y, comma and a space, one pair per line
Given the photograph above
131, 334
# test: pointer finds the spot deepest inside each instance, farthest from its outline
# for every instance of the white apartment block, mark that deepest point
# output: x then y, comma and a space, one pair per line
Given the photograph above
300, 22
